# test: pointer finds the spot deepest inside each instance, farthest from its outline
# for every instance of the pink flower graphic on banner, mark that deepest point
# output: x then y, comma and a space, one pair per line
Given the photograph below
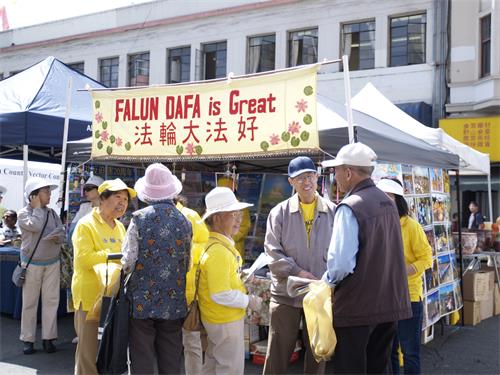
104, 135
301, 105
294, 127
119, 141
98, 117
274, 139
190, 149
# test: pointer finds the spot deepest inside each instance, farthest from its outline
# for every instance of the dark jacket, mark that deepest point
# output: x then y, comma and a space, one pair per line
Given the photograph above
377, 291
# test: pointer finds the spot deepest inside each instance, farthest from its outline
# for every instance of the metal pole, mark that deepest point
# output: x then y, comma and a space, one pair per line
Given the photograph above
490, 204
460, 253
347, 89
62, 175
25, 168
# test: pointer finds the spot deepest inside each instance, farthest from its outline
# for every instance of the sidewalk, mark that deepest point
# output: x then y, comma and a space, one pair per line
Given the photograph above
461, 350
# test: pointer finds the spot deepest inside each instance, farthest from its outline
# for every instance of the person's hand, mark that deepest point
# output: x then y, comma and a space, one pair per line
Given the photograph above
410, 270
254, 302
306, 275
35, 201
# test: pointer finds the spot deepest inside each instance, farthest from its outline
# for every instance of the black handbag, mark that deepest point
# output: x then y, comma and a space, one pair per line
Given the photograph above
19, 274
113, 332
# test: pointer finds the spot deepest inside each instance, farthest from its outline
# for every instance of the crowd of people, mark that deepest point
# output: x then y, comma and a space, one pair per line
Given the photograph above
368, 249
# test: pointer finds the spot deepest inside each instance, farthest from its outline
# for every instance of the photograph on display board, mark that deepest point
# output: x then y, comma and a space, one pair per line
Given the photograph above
432, 305
276, 189
412, 209
441, 238
445, 269
386, 170
454, 265
421, 180
424, 210
249, 186
440, 207
436, 179
447, 299
458, 295
446, 182
429, 232
407, 179
431, 276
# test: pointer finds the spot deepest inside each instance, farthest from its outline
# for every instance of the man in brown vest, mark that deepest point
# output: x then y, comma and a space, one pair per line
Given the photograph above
366, 265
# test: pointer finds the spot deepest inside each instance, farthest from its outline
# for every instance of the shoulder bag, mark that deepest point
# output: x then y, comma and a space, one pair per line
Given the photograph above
19, 274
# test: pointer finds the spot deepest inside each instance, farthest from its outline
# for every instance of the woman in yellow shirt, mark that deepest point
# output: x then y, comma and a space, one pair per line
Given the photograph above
222, 295
418, 257
96, 235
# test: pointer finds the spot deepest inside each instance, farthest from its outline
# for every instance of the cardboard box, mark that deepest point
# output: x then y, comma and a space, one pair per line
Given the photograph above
477, 285
496, 303
492, 269
472, 313
486, 307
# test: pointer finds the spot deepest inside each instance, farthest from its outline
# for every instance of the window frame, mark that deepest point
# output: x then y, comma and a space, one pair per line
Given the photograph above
216, 51
342, 34
289, 40
248, 51
407, 36
484, 63
100, 61
169, 62
74, 65
129, 68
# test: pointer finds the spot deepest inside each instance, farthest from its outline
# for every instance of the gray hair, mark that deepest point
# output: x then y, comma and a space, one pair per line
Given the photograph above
364, 171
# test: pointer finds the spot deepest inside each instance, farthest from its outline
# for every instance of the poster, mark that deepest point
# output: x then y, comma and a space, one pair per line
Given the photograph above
407, 179
437, 179
421, 180
447, 299
276, 189
412, 208
441, 238
440, 208
429, 232
432, 277
386, 170
432, 307
424, 210
445, 268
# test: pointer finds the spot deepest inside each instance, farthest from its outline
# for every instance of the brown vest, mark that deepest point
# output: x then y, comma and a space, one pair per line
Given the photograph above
377, 291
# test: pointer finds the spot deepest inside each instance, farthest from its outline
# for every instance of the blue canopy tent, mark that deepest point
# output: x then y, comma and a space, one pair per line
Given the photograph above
33, 108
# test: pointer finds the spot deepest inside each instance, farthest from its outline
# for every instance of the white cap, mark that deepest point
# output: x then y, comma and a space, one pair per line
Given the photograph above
357, 154
94, 180
34, 183
222, 199
390, 186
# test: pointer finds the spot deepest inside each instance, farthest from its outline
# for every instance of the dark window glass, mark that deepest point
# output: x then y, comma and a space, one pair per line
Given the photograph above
407, 40
138, 69
108, 71
78, 66
179, 64
215, 60
485, 46
302, 47
358, 42
261, 53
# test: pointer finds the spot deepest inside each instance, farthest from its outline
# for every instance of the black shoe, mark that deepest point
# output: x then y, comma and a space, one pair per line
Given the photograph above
28, 347
48, 346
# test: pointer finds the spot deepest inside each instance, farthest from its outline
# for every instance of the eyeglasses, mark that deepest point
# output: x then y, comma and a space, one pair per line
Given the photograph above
306, 177
89, 188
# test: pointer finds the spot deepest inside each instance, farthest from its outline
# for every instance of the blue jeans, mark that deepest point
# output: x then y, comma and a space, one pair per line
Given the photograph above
408, 336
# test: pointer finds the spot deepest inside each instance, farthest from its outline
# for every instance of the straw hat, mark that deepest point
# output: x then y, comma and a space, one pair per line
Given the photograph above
222, 199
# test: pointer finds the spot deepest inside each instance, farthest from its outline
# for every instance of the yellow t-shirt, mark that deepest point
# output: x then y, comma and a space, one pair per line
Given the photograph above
220, 272
308, 210
417, 252
93, 239
200, 238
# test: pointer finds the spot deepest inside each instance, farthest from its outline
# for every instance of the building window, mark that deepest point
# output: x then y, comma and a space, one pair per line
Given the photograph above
108, 71
138, 69
408, 40
302, 47
179, 64
215, 55
486, 45
261, 53
358, 42
78, 66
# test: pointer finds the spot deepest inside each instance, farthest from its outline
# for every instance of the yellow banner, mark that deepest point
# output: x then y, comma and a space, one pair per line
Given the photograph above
480, 133
264, 115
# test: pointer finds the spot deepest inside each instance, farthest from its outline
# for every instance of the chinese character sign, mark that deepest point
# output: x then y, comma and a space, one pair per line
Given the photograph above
271, 114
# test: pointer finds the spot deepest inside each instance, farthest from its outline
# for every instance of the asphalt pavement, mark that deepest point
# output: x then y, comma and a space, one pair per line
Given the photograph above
458, 350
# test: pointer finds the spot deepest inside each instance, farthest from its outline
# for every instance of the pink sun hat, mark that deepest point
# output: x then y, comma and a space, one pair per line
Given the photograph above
157, 184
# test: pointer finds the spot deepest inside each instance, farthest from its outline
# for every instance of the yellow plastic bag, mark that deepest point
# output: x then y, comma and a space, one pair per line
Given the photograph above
319, 316
110, 290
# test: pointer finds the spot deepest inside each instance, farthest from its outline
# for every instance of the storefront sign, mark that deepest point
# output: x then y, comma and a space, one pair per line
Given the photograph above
480, 133
241, 117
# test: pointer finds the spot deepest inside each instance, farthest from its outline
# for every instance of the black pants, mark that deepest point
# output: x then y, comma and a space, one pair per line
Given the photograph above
364, 349
155, 342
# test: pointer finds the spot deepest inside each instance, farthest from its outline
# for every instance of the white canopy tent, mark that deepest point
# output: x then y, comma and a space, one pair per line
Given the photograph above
373, 103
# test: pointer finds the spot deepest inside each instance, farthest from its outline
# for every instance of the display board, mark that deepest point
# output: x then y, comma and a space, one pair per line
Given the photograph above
427, 191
